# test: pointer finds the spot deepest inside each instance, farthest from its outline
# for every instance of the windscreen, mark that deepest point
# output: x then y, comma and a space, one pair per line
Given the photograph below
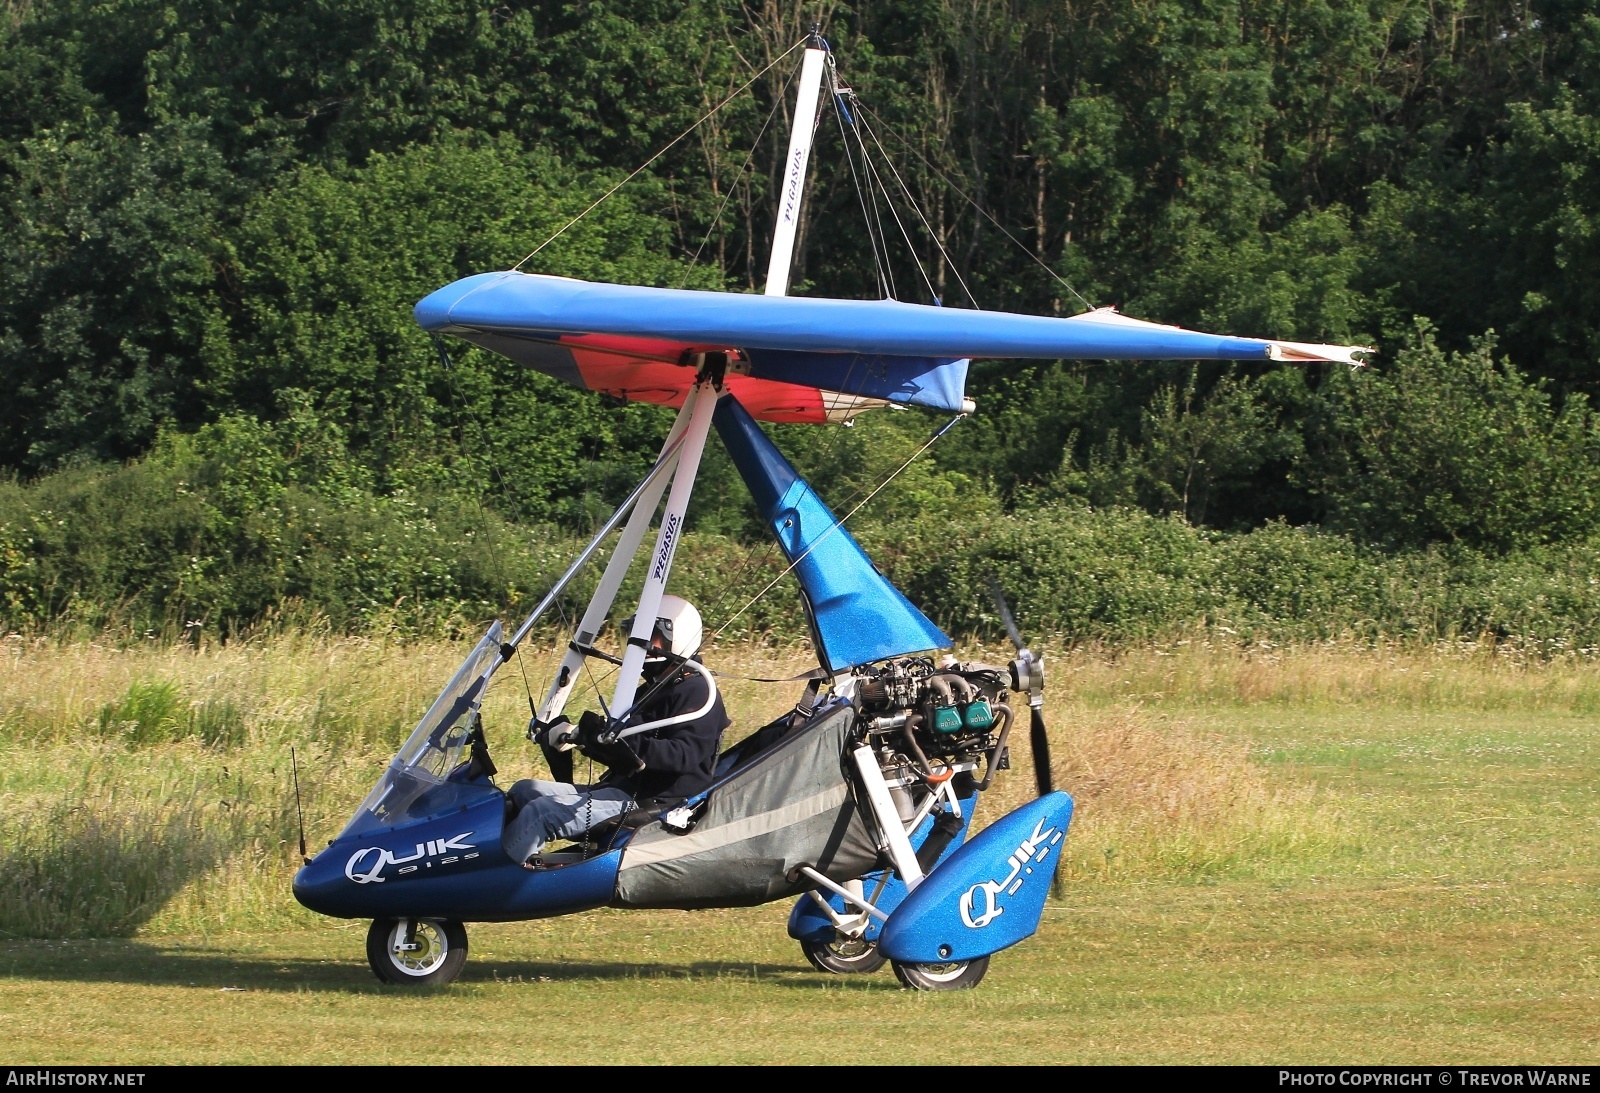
417, 784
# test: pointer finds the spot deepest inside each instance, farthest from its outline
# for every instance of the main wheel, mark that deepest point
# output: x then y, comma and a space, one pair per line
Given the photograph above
435, 954
843, 955
957, 975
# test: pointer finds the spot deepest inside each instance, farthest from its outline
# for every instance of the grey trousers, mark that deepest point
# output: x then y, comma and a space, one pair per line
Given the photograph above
557, 810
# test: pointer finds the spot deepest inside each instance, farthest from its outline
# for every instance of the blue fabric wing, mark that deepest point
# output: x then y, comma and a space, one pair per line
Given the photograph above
811, 347
527, 303
936, 382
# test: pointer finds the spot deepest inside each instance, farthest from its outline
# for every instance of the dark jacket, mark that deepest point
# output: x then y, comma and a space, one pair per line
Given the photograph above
678, 759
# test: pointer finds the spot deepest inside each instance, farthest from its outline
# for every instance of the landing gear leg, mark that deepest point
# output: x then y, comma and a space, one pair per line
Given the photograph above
416, 952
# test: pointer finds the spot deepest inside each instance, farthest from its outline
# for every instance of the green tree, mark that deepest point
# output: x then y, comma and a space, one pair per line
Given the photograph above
1508, 237
109, 255
1457, 448
1190, 447
329, 267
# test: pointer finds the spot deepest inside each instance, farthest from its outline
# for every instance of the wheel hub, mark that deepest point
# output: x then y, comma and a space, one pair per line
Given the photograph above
423, 953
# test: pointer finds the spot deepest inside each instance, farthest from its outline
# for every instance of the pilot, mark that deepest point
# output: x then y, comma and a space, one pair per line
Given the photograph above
655, 769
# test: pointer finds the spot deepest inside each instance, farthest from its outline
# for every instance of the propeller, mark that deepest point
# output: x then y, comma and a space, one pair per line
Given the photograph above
1027, 676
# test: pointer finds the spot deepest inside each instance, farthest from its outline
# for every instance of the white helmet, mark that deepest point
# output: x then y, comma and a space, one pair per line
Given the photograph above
679, 625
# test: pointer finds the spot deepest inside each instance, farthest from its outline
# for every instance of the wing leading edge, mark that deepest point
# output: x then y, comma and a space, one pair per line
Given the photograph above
797, 358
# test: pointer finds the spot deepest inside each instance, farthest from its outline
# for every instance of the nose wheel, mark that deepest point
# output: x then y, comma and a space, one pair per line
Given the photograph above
416, 952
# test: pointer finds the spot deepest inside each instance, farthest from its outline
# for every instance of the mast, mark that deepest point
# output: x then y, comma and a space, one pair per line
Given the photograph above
705, 395
670, 533
802, 133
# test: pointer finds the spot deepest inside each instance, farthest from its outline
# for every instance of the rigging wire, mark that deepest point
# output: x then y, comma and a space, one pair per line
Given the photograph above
876, 235
494, 469
661, 152
879, 242
757, 551
596, 683
839, 115
761, 551
839, 524
758, 554
777, 102
873, 176
870, 169
880, 253
911, 248
883, 236
969, 199
916, 208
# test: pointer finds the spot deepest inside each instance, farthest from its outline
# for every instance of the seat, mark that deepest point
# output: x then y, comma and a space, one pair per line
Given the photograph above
751, 746
605, 834
615, 832
782, 797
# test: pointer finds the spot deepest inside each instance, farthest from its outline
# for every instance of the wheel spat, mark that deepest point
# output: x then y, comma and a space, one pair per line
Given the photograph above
1027, 676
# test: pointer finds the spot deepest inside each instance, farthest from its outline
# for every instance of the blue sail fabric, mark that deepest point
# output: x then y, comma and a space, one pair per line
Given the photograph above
533, 304
858, 615
795, 358
939, 383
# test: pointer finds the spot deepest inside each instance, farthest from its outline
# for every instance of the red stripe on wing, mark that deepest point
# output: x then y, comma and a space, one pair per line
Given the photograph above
647, 370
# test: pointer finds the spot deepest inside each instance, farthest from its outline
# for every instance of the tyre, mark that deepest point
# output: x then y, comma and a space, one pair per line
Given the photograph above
957, 975
843, 955
439, 950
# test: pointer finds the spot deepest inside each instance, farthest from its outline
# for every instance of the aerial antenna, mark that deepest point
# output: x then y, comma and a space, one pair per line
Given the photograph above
294, 767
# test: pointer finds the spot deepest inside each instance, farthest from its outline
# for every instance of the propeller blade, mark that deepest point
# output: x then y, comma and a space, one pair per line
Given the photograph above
1040, 740
1005, 614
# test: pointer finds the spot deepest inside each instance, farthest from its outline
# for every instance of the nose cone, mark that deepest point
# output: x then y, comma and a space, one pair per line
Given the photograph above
321, 886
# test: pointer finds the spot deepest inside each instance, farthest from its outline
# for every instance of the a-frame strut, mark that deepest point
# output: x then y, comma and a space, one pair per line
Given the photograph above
689, 433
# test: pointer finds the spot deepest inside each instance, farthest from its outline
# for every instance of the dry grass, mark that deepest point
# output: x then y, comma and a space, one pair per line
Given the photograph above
1455, 675
1436, 901
287, 687
168, 763
146, 787
1157, 796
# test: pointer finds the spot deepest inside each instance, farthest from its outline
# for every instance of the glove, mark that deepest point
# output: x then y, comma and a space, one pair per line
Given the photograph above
617, 754
590, 726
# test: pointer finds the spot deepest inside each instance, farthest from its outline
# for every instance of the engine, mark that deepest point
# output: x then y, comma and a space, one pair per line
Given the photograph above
928, 723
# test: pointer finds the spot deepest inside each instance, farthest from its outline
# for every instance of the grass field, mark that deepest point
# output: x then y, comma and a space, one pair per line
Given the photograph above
1310, 855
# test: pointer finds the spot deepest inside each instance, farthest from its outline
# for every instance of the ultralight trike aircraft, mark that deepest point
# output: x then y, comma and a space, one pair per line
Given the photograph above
861, 800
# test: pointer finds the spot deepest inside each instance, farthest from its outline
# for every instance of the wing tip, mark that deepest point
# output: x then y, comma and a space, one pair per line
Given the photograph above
1317, 353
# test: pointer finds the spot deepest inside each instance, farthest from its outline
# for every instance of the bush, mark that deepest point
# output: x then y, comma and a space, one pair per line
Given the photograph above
149, 713
216, 531
221, 531
1457, 448
1116, 576
1109, 574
